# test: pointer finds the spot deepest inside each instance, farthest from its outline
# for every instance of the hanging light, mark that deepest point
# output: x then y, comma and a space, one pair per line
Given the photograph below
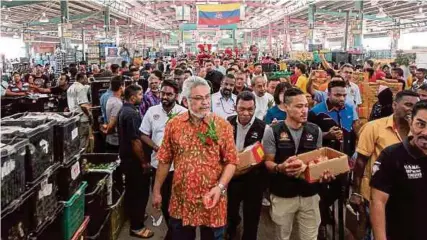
44, 19
16, 36
381, 13
420, 14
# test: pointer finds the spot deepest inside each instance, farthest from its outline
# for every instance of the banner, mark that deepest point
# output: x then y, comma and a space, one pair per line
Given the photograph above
219, 14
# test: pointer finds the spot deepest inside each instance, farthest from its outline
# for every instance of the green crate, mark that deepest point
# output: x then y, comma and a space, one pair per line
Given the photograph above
74, 210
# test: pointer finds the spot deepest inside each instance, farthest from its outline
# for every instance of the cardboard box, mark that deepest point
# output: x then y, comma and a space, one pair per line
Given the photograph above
337, 163
250, 157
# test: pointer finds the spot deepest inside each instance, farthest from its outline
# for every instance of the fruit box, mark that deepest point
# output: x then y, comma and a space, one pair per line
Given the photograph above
336, 163
251, 156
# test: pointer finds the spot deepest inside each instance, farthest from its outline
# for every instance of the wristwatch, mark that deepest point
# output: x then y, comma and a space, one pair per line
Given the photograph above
222, 188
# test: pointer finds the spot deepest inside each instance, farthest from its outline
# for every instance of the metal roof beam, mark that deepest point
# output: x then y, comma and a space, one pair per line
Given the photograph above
58, 19
18, 3
342, 14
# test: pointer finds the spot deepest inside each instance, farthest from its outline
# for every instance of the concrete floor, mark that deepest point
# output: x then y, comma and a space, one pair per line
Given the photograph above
265, 232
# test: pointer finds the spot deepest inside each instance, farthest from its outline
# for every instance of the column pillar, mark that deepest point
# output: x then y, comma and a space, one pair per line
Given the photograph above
358, 32
347, 16
311, 20
107, 19
395, 38
65, 17
269, 39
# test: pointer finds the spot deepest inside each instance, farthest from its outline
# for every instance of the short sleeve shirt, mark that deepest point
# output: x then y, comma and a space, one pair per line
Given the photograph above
262, 104
114, 105
374, 137
154, 124
76, 96
223, 107
198, 167
401, 172
353, 94
269, 142
302, 83
128, 123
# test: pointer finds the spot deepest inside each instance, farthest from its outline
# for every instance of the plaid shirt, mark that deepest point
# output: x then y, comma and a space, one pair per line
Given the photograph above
148, 100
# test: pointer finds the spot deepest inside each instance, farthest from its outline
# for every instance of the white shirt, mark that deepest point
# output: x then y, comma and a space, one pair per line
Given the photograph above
353, 94
220, 69
262, 105
154, 124
241, 133
76, 96
222, 107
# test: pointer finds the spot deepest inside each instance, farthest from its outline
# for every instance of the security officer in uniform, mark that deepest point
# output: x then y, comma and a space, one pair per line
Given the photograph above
294, 201
248, 187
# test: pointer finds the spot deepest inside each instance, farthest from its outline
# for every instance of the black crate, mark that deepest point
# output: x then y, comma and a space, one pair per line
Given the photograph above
39, 151
69, 178
16, 218
103, 231
45, 200
96, 200
49, 229
67, 142
13, 154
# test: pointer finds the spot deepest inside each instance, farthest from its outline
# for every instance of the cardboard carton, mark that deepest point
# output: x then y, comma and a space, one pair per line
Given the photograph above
250, 157
337, 163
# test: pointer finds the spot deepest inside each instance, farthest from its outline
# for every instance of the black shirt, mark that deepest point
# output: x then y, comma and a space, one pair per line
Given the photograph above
215, 78
128, 125
42, 81
62, 97
401, 172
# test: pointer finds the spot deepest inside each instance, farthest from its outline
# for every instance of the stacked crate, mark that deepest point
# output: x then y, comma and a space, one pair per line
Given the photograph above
318, 78
41, 175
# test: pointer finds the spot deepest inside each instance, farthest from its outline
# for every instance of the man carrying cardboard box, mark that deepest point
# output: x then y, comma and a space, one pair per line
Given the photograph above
249, 187
292, 198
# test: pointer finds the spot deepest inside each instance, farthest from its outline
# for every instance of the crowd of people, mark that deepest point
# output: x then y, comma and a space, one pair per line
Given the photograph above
178, 130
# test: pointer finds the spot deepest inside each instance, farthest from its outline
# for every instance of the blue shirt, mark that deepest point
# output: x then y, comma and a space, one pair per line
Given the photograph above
343, 118
320, 96
103, 101
274, 113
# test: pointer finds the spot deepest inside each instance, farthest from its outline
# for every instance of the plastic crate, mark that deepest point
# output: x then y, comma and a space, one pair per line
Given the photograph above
49, 229
69, 178
45, 201
13, 153
102, 232
74, 210
40, 148
96, 200
66, 143
16, 218
117, 216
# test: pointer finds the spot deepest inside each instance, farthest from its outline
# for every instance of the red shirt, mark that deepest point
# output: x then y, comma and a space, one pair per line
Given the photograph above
198, 168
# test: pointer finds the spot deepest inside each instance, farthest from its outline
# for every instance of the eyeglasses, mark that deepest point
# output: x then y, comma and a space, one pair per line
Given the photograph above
348, 72
206, 98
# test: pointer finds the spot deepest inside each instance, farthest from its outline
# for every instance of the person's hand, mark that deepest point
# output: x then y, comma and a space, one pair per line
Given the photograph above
146, 167
157, 200
211, 199
156, 148
326, 177
292, 166
104, 128
335, 133
274, 122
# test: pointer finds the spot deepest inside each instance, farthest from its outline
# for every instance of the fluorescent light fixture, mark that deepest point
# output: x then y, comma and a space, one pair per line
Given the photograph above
381, 13
44, 19
16, 36
420, 14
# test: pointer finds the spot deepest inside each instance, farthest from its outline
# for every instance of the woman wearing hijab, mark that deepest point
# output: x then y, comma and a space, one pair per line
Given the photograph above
383, 107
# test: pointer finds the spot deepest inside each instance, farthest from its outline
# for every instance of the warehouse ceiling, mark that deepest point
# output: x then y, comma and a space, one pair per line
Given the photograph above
150, 18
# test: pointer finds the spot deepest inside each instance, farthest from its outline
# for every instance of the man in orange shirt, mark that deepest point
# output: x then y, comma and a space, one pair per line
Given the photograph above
201, 147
